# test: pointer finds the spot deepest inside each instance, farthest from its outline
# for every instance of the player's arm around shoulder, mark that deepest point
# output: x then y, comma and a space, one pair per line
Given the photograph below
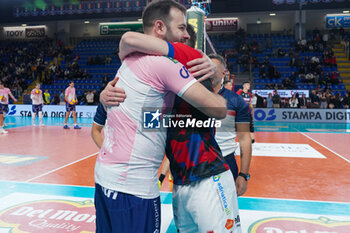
132, 42
174, 76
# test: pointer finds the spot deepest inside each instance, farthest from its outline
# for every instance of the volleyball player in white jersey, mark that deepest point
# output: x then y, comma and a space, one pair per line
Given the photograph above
5, 94
37, 104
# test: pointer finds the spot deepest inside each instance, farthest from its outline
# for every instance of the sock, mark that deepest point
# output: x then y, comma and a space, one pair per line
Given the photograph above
41, 117
33, 118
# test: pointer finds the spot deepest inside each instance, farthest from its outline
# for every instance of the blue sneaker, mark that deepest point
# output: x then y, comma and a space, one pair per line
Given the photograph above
77, 127
65, 127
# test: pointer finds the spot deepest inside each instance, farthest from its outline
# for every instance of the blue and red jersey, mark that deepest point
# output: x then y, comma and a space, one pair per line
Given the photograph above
193, 152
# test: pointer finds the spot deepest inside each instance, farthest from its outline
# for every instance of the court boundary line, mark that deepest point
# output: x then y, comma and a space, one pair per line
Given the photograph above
59, 168
314, 140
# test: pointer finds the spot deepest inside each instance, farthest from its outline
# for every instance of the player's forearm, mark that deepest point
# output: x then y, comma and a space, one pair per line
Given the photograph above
210, 104
245, 144
97, 137
137, 42
12, 97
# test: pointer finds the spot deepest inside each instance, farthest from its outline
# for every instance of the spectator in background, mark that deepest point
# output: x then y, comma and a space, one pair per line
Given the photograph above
335, 77
280, 52
303, 101
62, 98
260, 101
96, 97
346, 101
276, 100
269, 103
108, 60
314, 99
293, 62
47, 97
309, 78
325, 39
293, 102
26, 98
254, 100
105, 79
285, 103
56, 99
323, 101
90, 98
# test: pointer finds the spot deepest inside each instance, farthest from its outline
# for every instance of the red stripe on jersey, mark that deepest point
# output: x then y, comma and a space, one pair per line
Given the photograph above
231, 112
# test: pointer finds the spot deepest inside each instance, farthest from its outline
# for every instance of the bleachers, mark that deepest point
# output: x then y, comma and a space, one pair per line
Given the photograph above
85, 49
281, 63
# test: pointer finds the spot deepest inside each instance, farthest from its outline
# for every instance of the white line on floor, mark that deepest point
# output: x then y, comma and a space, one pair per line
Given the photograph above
49, 172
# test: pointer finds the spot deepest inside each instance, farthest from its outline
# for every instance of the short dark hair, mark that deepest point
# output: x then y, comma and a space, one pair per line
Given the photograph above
227, 81
193, 36
159, 10
245, 82
218, 57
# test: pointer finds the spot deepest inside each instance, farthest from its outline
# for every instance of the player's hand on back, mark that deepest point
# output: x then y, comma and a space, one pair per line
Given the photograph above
202, 67
112, 95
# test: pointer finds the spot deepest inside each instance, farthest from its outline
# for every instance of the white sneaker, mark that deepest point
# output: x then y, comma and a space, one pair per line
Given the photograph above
41, 125
33, 124
2, 131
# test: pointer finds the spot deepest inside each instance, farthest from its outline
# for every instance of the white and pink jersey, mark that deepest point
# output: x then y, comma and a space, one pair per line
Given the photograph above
130, 155
4, 95
70, 93
37, 98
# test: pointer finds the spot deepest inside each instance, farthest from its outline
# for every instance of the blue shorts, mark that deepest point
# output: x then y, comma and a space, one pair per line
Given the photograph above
231, 160
37, 108
4, 108
118, 212
70, 107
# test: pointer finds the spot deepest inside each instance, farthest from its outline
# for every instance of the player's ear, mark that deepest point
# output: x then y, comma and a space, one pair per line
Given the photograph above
160, 28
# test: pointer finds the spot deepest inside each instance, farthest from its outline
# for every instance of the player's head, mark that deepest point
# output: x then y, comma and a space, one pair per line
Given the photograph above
228, 85
246, 86
193, 36
37, 85
221, 68
165, 19
71, 84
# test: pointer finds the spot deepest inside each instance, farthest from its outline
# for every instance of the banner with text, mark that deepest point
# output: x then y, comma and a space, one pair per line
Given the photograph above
119, 29
282, 93
51, 111
221, 24
338, 20
30, 32
302, 115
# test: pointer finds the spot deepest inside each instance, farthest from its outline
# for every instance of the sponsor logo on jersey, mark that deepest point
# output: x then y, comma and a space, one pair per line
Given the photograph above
229, 224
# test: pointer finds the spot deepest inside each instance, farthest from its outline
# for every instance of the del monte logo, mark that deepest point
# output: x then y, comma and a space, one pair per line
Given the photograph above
50, 216
299, 225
